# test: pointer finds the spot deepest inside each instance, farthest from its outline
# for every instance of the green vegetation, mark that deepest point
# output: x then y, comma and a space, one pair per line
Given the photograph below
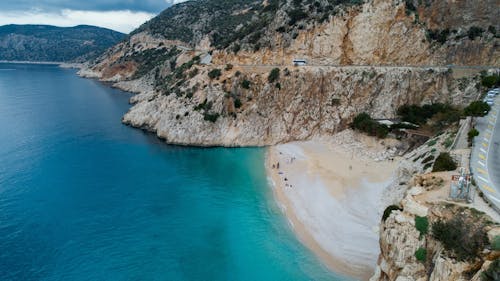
388, 211
364, 123
474, 32
273, 75
472, 134
410, 8
435, 117
444, 162
228, 67
466, 241
422, 225
421, 254
245, 84
212, 117
150, 58
493, 271
214, 73
437, 35
237, 103
51, 43
477, 109
495, 245
490, 81
420, 114
296, 15
428, 159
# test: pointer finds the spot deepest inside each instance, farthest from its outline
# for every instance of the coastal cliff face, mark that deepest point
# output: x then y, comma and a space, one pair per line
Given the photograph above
424, 236
400, 241
233, 102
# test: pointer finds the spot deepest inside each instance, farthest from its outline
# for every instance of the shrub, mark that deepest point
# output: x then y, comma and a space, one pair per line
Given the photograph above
296, 15
388, 211
214, 73
477, 109
237, 103
428, 159
212, 117
472, 134
474, 32
495, 245
273, 75
363, 122
420, 114
444, 162
459, 237
493, 272
245, 84
229, 67
278, 86
490, 81
421, 254
422, 225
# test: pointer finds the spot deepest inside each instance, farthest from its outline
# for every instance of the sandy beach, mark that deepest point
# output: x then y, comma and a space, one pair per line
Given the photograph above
332, 198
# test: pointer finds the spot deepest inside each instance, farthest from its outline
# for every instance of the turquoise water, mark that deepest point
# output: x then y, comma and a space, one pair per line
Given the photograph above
83, 197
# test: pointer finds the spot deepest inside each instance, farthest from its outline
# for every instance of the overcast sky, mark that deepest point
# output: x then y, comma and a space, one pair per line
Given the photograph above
120, 15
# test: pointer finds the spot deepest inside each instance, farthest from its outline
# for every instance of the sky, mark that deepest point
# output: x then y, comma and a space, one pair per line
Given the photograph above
120, 15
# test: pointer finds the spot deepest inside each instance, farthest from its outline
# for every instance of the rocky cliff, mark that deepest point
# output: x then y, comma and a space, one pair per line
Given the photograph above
425, 236
204, 68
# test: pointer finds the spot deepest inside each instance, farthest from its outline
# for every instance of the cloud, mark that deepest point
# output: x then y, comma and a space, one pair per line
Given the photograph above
124, 20
173, 2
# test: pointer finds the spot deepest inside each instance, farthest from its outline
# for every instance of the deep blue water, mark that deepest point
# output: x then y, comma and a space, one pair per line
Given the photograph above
83, 197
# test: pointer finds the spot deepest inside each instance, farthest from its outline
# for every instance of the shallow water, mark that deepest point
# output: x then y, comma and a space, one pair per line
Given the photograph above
83, 197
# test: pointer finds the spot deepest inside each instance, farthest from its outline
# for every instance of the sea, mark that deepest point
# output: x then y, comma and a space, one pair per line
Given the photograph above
84, 197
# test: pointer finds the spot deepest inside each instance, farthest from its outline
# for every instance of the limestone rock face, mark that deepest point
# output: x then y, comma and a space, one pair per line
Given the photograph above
399, 240
348, 54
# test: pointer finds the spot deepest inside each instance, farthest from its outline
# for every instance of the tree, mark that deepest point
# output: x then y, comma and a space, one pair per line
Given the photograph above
477, 109
444, 162
273, 75
472, 134
214, 73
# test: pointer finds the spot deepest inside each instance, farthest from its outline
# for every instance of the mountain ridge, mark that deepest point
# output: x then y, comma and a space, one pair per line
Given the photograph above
52, 43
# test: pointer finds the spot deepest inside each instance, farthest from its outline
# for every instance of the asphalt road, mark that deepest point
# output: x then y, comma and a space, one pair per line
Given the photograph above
485, 160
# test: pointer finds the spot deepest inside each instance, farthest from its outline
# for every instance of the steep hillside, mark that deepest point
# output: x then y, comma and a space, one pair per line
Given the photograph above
51, 43
221, 72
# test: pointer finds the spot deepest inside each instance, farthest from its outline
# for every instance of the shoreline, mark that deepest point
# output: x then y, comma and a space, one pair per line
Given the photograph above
333, 213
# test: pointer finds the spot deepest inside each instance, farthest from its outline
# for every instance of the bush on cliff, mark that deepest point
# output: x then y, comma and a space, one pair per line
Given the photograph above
388, 211
422, 225
466, 241
421, 254
273, 75
214, 73
477, 109
493, 271
490, 81
444, 162
364, 123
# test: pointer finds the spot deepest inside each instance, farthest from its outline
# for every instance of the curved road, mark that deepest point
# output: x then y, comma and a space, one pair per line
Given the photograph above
485, 159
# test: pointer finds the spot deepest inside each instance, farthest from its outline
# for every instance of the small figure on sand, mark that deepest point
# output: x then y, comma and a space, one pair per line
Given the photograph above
278, 165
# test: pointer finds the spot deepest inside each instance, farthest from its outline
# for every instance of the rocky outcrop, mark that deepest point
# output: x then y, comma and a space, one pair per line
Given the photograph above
306, 103
400, 239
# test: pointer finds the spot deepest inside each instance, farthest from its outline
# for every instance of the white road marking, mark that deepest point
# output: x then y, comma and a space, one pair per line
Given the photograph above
483, 179
481, 163
482, 150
